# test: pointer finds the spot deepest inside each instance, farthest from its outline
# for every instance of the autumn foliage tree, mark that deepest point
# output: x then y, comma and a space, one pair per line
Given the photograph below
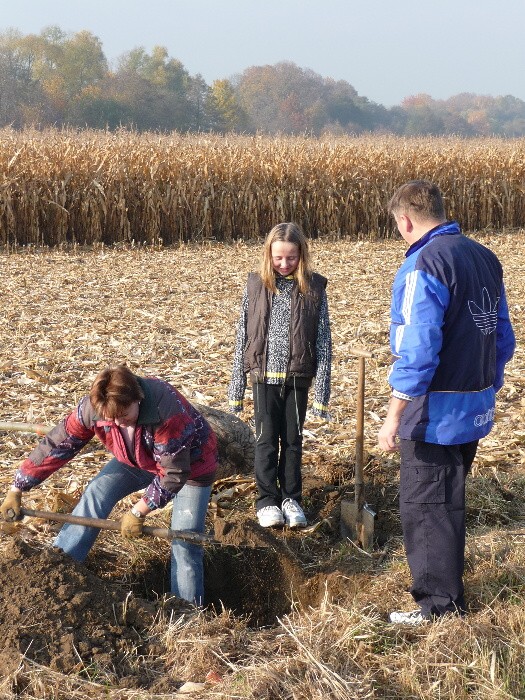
285, 98
230, 116
58, 78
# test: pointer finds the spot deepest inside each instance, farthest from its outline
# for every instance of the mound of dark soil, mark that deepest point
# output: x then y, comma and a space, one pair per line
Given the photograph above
76, 618
58, 614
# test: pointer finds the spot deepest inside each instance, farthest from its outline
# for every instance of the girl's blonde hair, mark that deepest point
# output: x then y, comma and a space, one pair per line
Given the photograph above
287, 232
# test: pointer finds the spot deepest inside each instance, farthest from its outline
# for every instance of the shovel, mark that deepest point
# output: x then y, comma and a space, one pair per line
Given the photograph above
164, 533
357, 518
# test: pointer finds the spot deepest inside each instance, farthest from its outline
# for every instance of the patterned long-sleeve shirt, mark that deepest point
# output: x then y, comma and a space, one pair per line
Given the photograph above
278, 349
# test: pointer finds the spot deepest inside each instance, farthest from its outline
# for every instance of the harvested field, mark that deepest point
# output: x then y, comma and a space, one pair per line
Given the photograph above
289, 615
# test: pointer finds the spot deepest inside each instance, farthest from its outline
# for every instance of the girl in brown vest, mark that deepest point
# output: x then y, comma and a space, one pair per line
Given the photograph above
284, 342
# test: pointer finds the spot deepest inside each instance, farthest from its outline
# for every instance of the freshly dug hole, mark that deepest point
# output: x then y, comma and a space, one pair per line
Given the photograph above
251, 572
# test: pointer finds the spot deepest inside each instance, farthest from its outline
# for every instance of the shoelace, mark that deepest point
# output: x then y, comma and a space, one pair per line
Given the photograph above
290, 505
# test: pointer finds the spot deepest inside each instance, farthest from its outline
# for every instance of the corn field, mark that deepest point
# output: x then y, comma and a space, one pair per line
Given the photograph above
91, 187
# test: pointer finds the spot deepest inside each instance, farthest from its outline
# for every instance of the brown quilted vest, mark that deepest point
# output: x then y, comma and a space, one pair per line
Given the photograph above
304, 320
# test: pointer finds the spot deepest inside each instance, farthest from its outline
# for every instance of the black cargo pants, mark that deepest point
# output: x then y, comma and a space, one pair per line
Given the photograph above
432, 508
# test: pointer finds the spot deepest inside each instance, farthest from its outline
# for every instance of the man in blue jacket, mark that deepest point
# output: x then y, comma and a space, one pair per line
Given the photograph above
451, 337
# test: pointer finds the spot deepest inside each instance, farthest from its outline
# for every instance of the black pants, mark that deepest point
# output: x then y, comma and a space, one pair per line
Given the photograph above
432, 508
279, 413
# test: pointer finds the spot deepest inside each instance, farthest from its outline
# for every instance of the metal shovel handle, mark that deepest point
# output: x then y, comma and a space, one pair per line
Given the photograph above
102, 524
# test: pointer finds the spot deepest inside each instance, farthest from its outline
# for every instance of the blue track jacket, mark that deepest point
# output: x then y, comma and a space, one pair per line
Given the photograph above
451, 337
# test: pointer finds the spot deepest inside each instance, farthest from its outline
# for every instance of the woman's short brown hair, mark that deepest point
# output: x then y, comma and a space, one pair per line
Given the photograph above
114, 390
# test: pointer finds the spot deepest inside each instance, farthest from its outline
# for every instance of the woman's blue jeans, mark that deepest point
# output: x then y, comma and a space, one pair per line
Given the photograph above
117, 480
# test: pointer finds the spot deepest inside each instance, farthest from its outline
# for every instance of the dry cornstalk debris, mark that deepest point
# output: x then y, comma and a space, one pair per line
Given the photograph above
172, 312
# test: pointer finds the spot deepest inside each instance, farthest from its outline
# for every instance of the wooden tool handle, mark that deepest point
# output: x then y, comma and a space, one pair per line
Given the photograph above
360, 352
360, 435
37, 428
164, 533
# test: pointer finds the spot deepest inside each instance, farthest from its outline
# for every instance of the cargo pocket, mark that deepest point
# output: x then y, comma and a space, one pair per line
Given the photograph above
423, 484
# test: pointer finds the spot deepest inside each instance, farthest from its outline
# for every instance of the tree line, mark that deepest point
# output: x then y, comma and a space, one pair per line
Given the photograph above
64, 79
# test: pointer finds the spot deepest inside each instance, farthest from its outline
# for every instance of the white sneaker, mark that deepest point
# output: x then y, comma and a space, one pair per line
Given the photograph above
270, 516
293, 513
414, 617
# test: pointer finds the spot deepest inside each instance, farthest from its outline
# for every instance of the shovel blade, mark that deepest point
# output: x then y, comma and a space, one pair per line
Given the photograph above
358, 524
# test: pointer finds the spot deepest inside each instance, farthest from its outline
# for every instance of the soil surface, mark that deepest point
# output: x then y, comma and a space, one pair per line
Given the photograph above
105, 621
58, 614
75, 617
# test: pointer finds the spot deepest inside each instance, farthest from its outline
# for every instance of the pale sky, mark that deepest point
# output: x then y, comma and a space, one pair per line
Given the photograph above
386, 49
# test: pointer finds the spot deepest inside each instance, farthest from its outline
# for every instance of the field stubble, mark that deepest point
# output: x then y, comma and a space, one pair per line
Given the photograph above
172, 313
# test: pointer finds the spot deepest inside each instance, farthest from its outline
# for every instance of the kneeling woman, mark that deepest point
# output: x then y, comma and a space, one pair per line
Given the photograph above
159, 442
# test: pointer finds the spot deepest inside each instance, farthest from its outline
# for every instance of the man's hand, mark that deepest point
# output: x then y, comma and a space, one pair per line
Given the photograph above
131, 526
387, 436
10, 508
